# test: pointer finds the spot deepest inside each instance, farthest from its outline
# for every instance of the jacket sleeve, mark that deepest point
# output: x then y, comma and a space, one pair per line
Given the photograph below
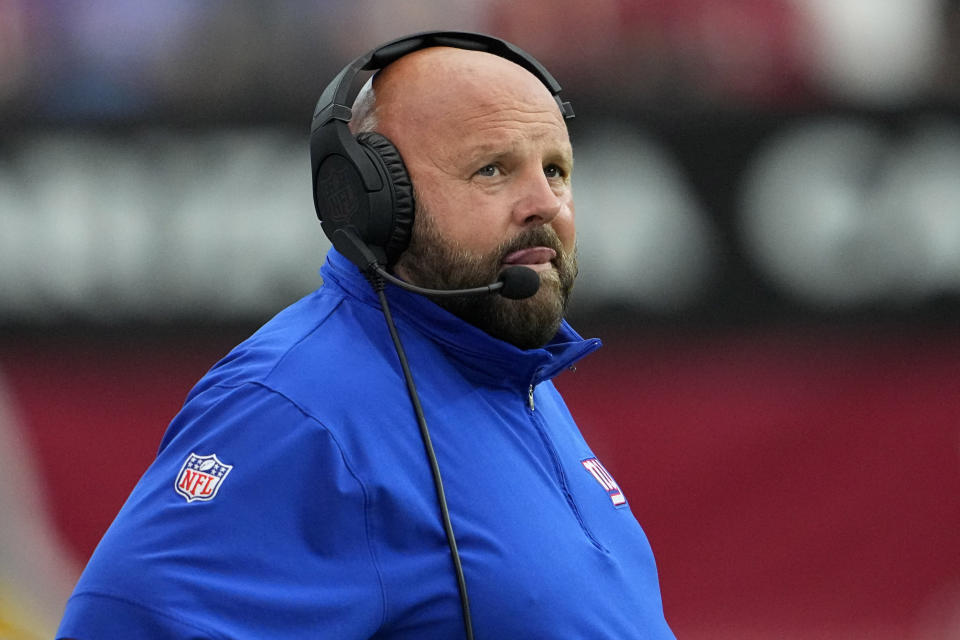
267, 540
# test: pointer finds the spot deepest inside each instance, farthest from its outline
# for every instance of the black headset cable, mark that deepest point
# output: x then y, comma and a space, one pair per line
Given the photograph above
379, 284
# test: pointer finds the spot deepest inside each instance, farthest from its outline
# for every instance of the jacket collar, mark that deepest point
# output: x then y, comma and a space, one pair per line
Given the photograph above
485, 359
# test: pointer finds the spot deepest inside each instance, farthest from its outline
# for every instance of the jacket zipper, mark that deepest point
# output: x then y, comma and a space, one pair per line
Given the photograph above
560, 475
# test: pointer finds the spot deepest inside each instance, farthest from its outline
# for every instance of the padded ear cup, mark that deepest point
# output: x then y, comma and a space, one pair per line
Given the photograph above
382, 151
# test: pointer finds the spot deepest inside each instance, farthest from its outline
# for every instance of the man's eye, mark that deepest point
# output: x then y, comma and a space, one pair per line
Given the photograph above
553, 171
488, 171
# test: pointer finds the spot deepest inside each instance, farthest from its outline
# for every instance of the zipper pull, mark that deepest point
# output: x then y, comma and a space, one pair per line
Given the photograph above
530, 398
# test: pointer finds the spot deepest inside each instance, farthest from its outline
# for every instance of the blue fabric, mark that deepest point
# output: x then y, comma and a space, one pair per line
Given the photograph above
327, 524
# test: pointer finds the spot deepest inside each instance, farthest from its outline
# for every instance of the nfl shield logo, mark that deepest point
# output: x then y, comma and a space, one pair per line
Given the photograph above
200, 477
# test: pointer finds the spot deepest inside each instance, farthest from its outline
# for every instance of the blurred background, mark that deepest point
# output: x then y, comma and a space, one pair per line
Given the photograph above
768, 200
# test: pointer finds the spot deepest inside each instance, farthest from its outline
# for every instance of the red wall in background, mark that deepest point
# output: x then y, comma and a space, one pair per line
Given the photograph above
792, 485
799, 484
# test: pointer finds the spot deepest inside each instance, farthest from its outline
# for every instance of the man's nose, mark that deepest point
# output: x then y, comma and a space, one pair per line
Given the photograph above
537, 203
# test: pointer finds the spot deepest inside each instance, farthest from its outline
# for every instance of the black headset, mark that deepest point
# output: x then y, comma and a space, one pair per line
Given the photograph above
360, 181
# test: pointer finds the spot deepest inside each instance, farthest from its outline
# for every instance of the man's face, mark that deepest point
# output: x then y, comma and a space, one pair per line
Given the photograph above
489, 155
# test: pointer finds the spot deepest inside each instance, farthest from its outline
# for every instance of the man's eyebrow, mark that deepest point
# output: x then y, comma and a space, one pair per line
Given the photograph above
483, 153
497, 150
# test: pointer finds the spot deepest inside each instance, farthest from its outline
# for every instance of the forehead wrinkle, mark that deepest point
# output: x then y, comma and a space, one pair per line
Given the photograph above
508, 136
499, 134
513, 144
512, 123
511, 118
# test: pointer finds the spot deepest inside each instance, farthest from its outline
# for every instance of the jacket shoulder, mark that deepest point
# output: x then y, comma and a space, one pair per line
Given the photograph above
325, 346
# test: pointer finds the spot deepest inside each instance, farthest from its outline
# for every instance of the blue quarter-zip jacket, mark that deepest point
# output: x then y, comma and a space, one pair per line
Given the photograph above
318, 516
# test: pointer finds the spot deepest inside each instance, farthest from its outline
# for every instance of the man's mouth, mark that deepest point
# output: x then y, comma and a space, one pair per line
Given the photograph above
536, 258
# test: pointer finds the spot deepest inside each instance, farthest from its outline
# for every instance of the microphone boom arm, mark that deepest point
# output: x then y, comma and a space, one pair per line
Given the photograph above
392, 279
347, 242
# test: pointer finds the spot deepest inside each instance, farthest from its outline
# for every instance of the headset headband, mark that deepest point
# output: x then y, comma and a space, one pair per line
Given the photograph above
333, 102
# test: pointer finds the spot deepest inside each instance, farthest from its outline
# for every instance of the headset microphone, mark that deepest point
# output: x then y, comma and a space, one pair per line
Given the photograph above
515, 283
519, 283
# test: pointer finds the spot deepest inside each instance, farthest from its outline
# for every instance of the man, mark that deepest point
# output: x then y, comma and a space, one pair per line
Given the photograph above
290, 497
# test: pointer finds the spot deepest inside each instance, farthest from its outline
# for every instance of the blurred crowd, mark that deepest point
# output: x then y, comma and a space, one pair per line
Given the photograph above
736, 160
255, 61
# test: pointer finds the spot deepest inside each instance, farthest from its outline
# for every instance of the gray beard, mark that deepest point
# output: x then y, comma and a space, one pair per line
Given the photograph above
431, 262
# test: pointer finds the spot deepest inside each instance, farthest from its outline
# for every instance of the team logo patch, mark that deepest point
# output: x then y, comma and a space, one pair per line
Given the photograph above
600, 473
201, 477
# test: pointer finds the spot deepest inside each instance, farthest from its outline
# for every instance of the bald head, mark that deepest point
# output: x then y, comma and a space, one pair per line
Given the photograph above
420, 88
